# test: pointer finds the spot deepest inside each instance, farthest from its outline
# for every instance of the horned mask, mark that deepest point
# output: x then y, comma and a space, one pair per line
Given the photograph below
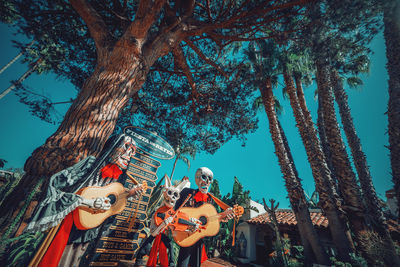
203, 178
172, 193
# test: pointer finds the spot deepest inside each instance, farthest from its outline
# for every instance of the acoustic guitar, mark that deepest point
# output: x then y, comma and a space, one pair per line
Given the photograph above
209, 218
87, 218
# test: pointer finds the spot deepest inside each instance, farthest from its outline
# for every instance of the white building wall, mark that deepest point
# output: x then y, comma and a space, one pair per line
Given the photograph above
249, 232
260, 208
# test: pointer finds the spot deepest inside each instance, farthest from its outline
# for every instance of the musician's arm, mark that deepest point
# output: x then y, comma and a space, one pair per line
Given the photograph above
99, 203
226, 215
135, 192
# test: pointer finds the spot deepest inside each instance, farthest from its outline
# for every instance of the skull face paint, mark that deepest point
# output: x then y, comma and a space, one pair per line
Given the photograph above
172, 193
122, 154
204, 177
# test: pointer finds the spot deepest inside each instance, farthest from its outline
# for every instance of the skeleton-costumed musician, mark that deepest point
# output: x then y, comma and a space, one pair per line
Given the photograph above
159, 227
196, 254
69, 244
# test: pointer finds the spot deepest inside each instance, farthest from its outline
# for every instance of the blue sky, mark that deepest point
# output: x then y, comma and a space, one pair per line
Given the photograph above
255, 165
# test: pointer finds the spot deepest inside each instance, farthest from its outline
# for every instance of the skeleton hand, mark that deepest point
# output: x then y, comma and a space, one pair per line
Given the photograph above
162, 226
167, 221
102, 203
196, 227
227, 215
135, 192
98, 204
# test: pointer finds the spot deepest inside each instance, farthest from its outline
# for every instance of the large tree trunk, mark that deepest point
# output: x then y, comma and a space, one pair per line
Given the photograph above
341, 165
295, 191
370, 198
87, 124
392, 40
329, 199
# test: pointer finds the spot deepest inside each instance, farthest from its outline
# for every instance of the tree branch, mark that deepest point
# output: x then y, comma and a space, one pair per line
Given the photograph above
145, 16
180, 63
96, 25
206, 59
198, 28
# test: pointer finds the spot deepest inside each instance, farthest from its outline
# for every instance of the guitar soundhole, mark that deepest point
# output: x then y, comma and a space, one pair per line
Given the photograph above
112, 198
203, 220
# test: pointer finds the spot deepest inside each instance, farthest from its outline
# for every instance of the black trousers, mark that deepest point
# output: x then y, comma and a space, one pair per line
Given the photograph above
190, 255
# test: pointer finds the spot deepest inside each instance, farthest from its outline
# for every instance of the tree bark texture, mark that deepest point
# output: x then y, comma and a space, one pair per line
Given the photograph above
87, 124
374, 211
370, 198
293, 184
392, 41
310, 124
341, 165
329, 199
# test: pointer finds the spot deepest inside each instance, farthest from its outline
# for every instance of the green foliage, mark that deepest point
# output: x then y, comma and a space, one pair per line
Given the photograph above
354, 82
21, 212
222, 242
9, 12
23, 249
356, 261
2, 163
214, 189
12, 183
337, 263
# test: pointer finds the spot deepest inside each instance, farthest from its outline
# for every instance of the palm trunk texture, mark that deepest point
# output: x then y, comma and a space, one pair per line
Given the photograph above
329, 199
348, 186
293, 184
373, 207
392, 40
341, 165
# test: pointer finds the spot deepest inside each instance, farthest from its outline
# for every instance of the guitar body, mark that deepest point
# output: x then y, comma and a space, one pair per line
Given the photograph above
86, 218
208, 215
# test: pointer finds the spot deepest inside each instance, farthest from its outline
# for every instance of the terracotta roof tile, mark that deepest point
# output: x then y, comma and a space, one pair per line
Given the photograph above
285, 216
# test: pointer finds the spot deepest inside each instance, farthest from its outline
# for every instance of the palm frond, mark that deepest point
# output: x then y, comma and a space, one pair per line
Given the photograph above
354, 82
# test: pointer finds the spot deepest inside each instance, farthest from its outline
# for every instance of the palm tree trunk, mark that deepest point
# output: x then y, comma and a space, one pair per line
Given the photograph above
372, 202
329, 199
173, 168
370, 198
392, 40
341, 165
21, 79
16, 57
310, 123
293, 184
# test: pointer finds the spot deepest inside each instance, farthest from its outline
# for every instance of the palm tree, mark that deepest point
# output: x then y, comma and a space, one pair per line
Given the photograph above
264, 68
329, 199
180, 153
370, 198
392, 39
341, 166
